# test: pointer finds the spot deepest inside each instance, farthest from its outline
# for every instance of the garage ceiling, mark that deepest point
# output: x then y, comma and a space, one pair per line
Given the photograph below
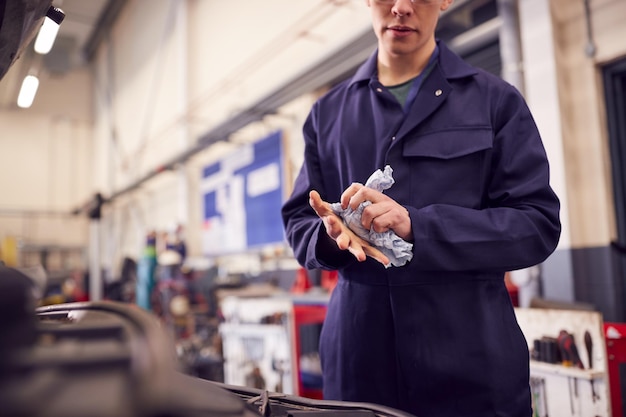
85, 23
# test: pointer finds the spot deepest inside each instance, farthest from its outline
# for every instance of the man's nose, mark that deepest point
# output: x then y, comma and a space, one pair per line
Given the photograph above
402, 7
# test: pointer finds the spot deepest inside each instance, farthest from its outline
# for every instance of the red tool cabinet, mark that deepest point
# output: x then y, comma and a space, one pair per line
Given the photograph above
307, 313
615, 334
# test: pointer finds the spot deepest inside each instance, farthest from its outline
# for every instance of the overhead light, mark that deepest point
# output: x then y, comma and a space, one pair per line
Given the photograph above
48, 31
28, 91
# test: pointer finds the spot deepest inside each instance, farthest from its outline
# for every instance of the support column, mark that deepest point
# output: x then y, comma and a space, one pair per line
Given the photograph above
95, 265
541, 92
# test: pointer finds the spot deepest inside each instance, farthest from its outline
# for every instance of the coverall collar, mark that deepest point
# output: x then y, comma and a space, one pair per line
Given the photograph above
450, 64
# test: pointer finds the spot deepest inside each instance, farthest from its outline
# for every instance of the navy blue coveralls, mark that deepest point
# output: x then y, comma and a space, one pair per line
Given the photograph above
438, 336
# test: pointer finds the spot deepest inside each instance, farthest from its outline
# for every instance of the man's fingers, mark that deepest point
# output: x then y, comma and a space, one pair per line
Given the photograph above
345, 238
334, 227
358, 252
315, 201
346, 196
360, 248
321, 207
343, 241
376, 254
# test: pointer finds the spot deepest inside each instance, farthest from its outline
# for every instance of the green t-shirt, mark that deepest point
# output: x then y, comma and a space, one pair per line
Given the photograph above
407, 91
401, 91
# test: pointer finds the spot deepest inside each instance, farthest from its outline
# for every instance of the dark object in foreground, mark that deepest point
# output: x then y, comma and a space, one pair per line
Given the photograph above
20, 21
106, 359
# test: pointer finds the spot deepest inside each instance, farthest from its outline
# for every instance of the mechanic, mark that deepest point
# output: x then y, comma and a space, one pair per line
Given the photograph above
438, 335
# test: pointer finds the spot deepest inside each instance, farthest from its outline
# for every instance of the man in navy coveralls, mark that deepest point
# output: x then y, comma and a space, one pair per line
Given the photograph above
437, 336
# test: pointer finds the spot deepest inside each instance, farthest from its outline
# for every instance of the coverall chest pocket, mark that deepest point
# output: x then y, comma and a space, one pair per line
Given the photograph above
449, 166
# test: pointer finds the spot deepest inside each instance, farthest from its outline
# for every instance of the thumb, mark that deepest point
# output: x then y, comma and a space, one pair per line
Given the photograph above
321, 207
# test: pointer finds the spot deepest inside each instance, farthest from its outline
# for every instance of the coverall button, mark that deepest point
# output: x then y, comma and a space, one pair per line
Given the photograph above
380, 90
438, 93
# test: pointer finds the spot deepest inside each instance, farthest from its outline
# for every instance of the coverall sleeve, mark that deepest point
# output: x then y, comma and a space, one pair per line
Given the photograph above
304, 230
518, 224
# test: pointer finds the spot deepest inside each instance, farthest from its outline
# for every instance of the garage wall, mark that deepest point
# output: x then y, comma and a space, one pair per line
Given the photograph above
580, 88
599, 270
564, 89
45, 155
191, 67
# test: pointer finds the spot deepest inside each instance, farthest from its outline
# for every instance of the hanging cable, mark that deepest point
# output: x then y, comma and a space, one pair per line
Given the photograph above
590, 47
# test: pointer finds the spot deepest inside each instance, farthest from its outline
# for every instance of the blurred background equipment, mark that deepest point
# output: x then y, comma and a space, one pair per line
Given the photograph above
113, 359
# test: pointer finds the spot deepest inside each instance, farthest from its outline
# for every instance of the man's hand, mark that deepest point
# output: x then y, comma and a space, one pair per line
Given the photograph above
345, 238
382, 215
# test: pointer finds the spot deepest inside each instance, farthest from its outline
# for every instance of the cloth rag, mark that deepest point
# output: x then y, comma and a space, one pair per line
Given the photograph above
398, 250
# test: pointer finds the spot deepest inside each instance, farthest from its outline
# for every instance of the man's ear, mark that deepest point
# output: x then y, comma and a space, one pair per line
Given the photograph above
445, 4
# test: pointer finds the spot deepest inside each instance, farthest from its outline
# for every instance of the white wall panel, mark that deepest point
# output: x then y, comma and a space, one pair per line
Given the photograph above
142, 74
24, 162
42, 162
43, 175
542, 94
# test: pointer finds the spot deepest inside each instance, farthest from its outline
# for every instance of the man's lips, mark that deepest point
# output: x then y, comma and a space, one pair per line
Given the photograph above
401, 30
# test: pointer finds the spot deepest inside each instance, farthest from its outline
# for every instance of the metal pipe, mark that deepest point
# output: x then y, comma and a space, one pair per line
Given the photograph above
590, 48
17, 212
510, 44
477, 37
95, 271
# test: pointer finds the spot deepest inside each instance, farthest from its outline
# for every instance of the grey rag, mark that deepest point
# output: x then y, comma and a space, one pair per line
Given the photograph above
393, 246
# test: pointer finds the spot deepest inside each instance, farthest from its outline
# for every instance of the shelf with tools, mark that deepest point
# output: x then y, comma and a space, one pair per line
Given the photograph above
568, 366
271, 342
568, 371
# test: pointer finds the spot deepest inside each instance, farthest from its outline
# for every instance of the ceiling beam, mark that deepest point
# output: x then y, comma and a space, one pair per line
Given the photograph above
103, 27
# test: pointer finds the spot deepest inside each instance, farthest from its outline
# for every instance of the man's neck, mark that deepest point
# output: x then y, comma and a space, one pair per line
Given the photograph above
397, 69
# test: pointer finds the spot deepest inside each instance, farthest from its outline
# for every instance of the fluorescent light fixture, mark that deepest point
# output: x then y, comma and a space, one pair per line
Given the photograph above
28, 91
48, 31
46, 36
